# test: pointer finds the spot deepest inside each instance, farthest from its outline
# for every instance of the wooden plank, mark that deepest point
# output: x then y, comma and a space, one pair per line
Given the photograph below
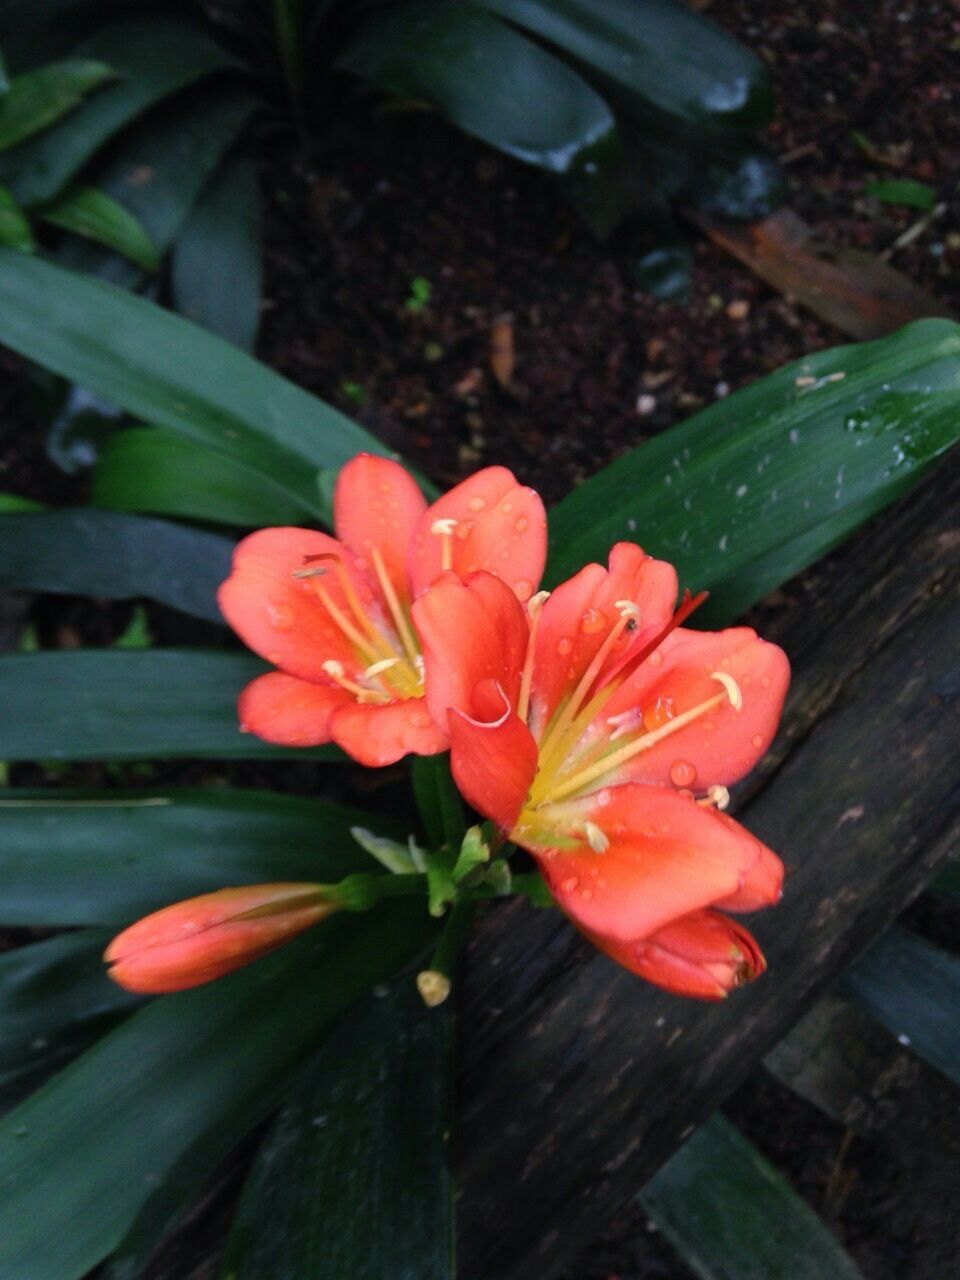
577, 1081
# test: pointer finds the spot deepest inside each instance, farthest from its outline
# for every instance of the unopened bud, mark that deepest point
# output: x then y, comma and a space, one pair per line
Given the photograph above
203, 938
434, 987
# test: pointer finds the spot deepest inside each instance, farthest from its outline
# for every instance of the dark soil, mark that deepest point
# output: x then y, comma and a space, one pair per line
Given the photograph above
597, 367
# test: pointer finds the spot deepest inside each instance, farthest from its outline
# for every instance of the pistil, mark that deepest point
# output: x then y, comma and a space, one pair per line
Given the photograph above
335, 671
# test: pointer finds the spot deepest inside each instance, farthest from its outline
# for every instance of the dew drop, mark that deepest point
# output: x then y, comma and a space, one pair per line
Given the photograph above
658, 714
764, 682
280, 616
593, 620
477, 503
683, 773
568, 885
757, 740
506, 507
586, 895
523, 589
384, 486
420, 720
564, 646
464, 529
603, 797
655, 660
520, 523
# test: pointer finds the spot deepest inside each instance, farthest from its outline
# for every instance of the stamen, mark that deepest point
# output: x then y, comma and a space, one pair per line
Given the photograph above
534, 607
717, 797
444, 528
596, 839
393, 604
335, 671
625, 722
355, 637
377, 667
314, 571
731, 686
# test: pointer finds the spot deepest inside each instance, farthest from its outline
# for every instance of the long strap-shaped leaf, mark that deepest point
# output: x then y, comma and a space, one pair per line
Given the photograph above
114, 704
352, 1180
174, 374
175, 1088
731, 1216
75, 858
913, 988
844, 430
118, 557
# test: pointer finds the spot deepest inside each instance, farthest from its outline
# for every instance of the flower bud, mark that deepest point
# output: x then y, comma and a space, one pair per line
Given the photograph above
203, 938
703, 954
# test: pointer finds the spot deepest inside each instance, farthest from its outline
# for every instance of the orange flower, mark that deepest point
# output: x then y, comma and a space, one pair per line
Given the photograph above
601, 736
333, 614
203, 938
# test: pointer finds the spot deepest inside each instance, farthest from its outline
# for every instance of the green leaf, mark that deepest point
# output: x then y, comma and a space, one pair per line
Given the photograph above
399, 859
136, 634
88, 857
91, 213
905, 191
485, 77
655, 53
154, 58
731, 1216
116, 557
54, 999
15, 230
102, 1142
108, 704
157, 170
438, 800
843, 431
4, 77
913, 989
352, 1181
75, 858
217, 269
151, 469
37, 99
14, 502
174, 374
474, 852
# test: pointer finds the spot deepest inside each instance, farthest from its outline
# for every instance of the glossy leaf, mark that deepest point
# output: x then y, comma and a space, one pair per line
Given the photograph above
37, 99
14, 502
913, 988
114, 557
903, 191
485, 77
659, 52
153, 58
93, 214
352, 1180
731, 1216
158, 169
843, 431
217, 269
151, 469
75, 858
111, 704
174, 374
101, 1143
438, 801
54, 999
15, 230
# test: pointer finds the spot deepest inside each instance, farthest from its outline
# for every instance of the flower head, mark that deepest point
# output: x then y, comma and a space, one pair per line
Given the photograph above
601, 735
333, 614
203, 938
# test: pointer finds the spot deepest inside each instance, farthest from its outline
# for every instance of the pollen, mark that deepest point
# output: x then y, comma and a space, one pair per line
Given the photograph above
627, 609
333, 668
444, 526
731, 686
596, 839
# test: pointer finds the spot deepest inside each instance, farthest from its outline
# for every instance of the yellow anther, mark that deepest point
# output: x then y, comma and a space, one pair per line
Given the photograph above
434, 987
596, 839
444, 526
627, 609
719, 795
334, 668
536, 602
377, 667
731, 686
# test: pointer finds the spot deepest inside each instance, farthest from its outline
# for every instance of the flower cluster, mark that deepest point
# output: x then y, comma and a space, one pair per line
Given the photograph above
588, 725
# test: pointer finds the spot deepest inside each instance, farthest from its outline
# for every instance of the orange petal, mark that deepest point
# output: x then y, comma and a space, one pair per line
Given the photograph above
493, 756
667, 856
724, 744
470, 632
195, 941
281, 617
377, 735
289, 711
762, 883
581, 612
703, 955
376, 503
500, 527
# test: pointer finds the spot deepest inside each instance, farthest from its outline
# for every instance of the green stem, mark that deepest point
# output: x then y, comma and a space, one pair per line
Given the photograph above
455, 932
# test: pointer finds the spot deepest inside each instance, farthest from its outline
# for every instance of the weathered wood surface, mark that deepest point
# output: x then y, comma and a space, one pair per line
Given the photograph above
577, 1081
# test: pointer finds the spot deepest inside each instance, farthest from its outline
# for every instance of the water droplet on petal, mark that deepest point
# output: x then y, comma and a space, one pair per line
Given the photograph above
520, 523
683, 773
764, 682
280, 616
603, 797
568, 885
477, 503
757, 740
420, 720
659, 713
464, 529
564, 646
586, 895
593, 620
523, 589
656, 659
